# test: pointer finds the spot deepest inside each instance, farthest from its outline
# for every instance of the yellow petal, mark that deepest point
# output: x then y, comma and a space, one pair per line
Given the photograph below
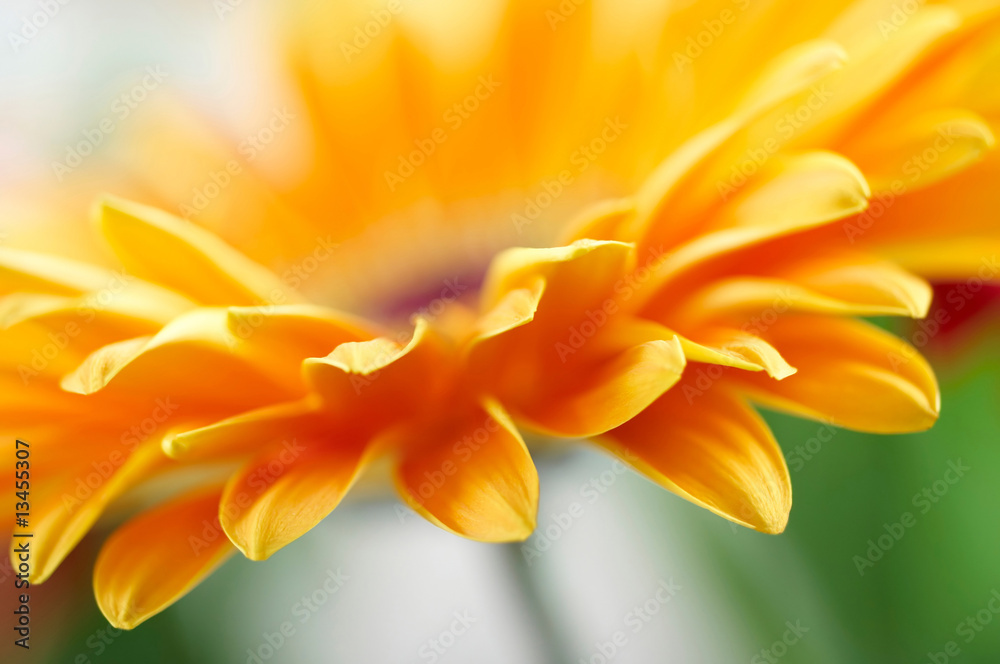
380, 380
198, 341
19, 307
785, 77
708, 446
869, 286
244, 433
25, 271
602, 221
158, 557
735, 348
84, 324
792, 194
128, 304
924, 150
471, 475
288, 488
66, 517
311, 329
956, 259
592, 399
795, 192
846, 285
285, 335
515, 308
851, 374
578, 276
177, 254
32, 351
872, 69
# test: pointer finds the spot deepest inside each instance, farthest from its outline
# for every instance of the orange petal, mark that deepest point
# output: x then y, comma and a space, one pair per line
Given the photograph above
708, 446
792, 194
229, 370
25, 271
312, 329
287, 489
786, 76
735, 348
471, 475
515, 308
851, 374
594, 397
578, 276
152, 244
381, 380
920, 152
244, 433
66, 518
840, 284
158, 557
537, 362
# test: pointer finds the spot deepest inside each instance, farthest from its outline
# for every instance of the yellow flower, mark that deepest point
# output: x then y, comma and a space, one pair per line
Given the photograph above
675, 213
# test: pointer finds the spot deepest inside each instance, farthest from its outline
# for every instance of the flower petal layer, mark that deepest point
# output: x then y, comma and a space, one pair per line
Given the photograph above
708, 446
288, 488
851, 374
158, 557
471, 475
63, 520
177, 254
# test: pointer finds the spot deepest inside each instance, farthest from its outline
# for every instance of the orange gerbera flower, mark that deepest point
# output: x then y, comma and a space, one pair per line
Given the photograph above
706, 224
